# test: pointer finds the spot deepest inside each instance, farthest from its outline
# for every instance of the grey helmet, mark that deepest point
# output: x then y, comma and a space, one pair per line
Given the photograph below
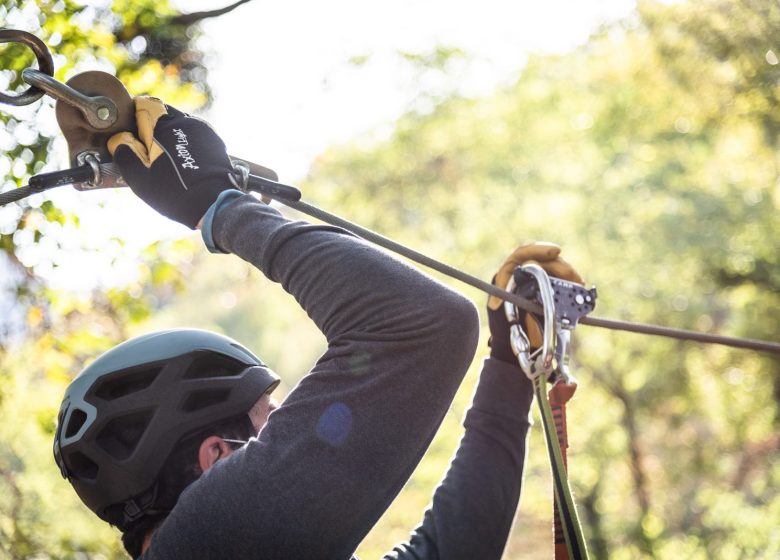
122, 416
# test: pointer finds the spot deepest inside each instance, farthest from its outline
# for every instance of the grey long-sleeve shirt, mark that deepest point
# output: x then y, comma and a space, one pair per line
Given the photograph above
342, 444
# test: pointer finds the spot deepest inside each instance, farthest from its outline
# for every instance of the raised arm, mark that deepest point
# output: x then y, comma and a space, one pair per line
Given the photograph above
473, 508
343, 443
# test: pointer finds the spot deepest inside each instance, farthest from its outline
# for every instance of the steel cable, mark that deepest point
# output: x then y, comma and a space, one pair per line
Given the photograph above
45, 64
522, 303
17, 194
627, 326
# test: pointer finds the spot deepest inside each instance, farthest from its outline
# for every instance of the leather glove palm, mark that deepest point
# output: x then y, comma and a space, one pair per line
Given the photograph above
178, 165
546, 255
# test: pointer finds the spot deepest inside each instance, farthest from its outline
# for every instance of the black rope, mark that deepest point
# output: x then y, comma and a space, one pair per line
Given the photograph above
642, 328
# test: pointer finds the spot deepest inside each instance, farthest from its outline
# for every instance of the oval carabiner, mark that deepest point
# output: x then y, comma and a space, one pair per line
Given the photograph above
542, 360
45, 64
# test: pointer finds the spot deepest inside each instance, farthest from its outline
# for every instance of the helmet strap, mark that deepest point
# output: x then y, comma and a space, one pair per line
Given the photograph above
142, 505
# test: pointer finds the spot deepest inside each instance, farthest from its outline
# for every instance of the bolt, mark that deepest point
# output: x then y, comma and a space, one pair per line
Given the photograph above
579, 299
103, 113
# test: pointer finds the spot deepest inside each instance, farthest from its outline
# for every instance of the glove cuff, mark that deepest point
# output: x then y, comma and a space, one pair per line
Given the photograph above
224, 198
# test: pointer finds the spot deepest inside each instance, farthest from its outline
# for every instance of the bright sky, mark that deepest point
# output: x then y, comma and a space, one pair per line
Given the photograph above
285, 89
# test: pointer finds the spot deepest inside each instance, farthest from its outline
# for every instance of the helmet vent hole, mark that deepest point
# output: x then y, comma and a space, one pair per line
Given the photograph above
208, 364
81, 466
118, 386
76, 421
198, 400
120, 436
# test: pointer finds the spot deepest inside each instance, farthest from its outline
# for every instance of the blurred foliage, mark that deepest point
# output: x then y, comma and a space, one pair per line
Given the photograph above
132, 40
651, 154
40, 515
45, 335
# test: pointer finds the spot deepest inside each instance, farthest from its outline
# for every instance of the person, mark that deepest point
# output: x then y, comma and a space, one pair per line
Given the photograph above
174, 438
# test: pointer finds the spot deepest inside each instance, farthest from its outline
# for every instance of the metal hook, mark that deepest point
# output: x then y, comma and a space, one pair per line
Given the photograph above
240, 176
45, 65
99, 111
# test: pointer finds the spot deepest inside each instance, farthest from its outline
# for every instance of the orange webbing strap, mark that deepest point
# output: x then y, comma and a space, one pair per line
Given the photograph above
559, 395
567, 512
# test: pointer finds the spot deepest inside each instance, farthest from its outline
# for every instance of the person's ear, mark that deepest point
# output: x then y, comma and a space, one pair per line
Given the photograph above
212, 449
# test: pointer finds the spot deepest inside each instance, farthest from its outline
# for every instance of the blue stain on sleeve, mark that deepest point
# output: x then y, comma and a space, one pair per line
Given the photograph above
335, 424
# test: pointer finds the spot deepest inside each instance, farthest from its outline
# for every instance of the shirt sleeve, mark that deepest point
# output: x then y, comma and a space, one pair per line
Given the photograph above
340, 447
473, 508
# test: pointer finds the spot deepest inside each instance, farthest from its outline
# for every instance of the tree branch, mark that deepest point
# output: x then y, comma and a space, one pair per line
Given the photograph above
597, 543
195, 17
614, 385
754, 456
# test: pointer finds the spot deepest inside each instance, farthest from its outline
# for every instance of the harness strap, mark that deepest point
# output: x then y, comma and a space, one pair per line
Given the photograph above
559, 395
567, 523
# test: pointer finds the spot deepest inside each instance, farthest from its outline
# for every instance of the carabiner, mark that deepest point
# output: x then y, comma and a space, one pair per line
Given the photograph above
542, 360
45, 65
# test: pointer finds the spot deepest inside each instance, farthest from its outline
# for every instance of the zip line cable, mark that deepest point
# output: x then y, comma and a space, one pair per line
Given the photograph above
285, 194
612, 324
41, 82
17, 194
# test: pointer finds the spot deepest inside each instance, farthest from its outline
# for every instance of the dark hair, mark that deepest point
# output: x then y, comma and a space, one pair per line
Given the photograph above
180, 470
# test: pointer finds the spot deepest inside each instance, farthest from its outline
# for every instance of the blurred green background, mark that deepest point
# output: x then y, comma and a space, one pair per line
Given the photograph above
651, 154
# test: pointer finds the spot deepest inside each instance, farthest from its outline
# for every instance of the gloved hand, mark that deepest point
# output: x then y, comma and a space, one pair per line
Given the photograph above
545, 255
177, 165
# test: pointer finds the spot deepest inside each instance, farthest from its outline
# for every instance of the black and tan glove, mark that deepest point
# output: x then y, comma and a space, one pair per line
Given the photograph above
546, 255
178, 165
